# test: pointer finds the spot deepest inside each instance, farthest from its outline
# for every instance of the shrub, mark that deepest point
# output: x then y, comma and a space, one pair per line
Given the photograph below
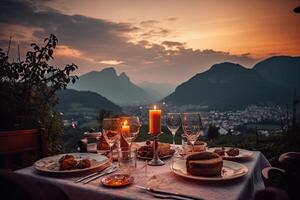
28, 90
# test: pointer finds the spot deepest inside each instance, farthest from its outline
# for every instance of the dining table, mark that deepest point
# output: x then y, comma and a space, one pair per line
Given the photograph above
162, 178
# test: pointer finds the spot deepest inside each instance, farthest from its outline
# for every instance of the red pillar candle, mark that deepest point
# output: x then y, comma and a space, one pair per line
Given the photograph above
154, 121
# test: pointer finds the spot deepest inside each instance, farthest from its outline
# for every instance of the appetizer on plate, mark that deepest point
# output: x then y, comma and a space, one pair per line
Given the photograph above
220, 152
146, 151
233, 152
68, 162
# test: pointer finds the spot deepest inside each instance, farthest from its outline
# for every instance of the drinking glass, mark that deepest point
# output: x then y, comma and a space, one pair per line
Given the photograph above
173, 124
130, 127
127, 159
110, 130
192, 126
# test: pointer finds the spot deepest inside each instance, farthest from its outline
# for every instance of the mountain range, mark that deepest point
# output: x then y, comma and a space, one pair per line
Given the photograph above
157, 90
230, 86
117, 88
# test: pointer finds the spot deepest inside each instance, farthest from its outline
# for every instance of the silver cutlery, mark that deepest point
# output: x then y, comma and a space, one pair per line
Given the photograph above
160, 196
165, 195
105, 172
91, 175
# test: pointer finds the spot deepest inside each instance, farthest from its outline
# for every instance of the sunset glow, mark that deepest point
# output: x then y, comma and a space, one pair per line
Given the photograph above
180, 38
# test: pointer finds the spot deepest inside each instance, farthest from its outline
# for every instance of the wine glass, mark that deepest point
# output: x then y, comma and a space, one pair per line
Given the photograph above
173, 124
192, 126
110, 127
130, 127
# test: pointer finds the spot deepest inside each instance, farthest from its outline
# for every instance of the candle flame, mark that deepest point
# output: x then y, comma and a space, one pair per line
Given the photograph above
125, 123
154, 107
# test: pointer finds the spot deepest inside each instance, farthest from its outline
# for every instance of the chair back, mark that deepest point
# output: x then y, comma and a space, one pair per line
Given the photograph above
21, 148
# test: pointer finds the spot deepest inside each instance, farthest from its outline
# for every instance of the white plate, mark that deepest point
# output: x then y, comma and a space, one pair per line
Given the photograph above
243, 153
231, 170
51, 165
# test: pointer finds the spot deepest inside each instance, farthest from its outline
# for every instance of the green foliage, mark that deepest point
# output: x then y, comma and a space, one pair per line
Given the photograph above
54, 130
212, 132
71, 137
103, 114
28, 91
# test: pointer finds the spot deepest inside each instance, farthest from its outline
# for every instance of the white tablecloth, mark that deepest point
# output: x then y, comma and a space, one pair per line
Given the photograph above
161, 177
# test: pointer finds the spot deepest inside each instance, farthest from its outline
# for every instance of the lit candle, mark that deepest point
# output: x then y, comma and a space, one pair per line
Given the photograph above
125, 128
154, 121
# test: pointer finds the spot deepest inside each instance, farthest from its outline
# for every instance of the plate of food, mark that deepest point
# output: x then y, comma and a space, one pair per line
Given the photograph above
71, 163
146, 151
208, 166
231, 153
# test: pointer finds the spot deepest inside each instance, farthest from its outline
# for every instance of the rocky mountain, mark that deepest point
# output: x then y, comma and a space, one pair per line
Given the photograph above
118, 89
232, 86
157, 90
72, 101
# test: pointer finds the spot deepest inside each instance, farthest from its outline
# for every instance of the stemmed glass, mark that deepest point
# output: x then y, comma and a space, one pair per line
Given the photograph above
110, 127
192, 127
173, 124
130, 127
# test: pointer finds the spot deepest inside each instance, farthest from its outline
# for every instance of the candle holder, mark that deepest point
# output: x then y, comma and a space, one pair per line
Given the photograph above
156, 161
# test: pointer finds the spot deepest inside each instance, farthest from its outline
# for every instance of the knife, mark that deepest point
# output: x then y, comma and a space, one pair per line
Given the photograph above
156, 191
109, 171
91, 175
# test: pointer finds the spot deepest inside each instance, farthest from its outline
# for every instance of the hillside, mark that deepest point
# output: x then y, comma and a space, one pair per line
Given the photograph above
80, 102
228, 86
281, 70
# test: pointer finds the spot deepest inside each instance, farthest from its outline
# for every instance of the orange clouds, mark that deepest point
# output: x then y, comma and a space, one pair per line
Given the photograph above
67, 51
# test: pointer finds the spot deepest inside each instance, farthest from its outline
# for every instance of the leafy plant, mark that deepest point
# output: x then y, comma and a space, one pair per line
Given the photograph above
28, 88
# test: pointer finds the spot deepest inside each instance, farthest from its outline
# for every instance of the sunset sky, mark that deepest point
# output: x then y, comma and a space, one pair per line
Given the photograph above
158, 41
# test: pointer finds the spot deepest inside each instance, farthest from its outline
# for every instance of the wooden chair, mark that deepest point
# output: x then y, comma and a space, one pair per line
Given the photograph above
286, 178
21, 148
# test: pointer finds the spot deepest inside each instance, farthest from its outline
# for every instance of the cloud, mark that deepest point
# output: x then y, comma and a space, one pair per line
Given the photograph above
96, 43
172, 19
149, 23
173, 45
111, 62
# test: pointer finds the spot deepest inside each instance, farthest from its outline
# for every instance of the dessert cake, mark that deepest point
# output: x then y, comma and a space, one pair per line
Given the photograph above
204, 164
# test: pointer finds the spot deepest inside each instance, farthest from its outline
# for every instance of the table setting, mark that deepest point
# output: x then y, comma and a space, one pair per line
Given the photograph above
125, 169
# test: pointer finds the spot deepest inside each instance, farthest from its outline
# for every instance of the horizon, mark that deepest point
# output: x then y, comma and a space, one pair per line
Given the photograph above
164, 44
118, 72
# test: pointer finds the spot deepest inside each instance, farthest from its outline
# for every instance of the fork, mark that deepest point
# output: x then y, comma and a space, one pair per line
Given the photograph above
91, 175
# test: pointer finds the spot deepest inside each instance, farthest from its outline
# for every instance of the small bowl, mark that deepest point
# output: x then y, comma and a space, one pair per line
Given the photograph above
198, 147
117, 180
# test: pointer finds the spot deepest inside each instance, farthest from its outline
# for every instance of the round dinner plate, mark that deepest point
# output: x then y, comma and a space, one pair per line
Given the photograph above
231, 170
243, 153
51, 164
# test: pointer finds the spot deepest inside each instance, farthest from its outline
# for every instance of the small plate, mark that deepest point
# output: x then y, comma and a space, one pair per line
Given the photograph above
243, 153
51, 164
117, 180
231, 170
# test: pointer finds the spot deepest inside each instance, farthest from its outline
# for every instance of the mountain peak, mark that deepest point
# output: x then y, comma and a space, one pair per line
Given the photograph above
109, 71
123, 76
225, 66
